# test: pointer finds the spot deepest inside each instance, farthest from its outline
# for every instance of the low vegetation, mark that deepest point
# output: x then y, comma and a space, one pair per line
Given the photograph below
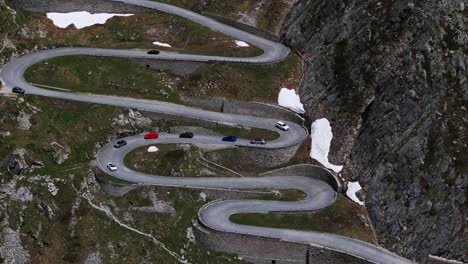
170, 160
266, 15
340, 218
134, 32
64, 227
102, 75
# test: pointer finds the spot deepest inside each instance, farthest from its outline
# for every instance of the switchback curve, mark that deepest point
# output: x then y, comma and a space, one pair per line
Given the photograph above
214, 215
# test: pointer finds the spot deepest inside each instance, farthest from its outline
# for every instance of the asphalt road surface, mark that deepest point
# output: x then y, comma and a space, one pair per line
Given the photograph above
214, 215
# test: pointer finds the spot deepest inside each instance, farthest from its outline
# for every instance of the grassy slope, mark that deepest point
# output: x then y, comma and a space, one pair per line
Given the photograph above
48, 237
268, 17
137, 31
120, 77
340, 218
103, 76
169, 158
94, 229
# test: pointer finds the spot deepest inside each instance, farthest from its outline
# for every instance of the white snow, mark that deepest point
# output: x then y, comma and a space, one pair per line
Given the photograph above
153, 149
354, 187
242, 44
80, 19
161, 44
321, 134
289, 99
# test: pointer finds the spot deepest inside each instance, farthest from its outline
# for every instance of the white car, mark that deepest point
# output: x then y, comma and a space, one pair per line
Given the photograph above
111, 167
282, 126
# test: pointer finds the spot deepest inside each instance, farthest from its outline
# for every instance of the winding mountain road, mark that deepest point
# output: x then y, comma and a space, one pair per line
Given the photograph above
214, 215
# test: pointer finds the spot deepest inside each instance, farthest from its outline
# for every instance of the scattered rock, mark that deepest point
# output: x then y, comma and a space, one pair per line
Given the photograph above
10, 191
94, 258
157, 206
20, 161
8, 44
11, 249
134, 119
24, 33
24, 122
203, 196
5, 134
59, 152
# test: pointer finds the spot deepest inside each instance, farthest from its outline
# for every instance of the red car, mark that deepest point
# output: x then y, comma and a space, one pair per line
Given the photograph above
151, 135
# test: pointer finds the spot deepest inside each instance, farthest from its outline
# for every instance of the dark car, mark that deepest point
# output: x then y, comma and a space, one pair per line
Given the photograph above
154, 52
230, 138
186, 135
18, 90
120, 143
258, 141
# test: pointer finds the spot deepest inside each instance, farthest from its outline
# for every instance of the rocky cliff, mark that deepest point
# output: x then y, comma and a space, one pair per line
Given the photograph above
391, 77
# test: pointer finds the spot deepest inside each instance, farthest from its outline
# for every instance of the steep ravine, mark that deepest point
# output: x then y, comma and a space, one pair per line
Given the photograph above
391, 76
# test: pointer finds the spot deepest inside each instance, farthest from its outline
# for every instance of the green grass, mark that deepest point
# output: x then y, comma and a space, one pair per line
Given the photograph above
115, 76
87, 74
137, 32
286, 195
239, 160
63, 122
243, 81
339, 218
48, 237
170, 158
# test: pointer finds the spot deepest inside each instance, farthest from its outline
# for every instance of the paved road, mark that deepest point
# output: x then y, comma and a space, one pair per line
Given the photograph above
213, 215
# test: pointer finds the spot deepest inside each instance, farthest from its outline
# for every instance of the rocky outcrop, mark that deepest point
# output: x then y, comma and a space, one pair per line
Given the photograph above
11, 248
24, 122
131, 121
20, 161
59, 153
391, 77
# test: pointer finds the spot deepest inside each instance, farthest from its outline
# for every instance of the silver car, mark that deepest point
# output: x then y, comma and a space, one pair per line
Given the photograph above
111, 167
258, 141
281, 125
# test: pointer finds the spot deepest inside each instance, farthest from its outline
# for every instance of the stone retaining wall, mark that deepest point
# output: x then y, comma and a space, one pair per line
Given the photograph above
258, 109
264, 251
115, 189
438, 260
309, 170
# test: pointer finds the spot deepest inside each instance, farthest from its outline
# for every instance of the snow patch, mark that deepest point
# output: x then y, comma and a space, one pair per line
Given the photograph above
81, 19
354, 187
153, 149
242, 44
289, 99
321, 134
161, 44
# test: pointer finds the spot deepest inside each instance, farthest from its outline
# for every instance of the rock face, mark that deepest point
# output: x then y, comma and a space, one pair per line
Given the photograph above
391, 76
59, 153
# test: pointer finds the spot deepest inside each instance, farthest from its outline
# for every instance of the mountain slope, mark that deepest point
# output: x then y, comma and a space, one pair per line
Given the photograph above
391, 77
